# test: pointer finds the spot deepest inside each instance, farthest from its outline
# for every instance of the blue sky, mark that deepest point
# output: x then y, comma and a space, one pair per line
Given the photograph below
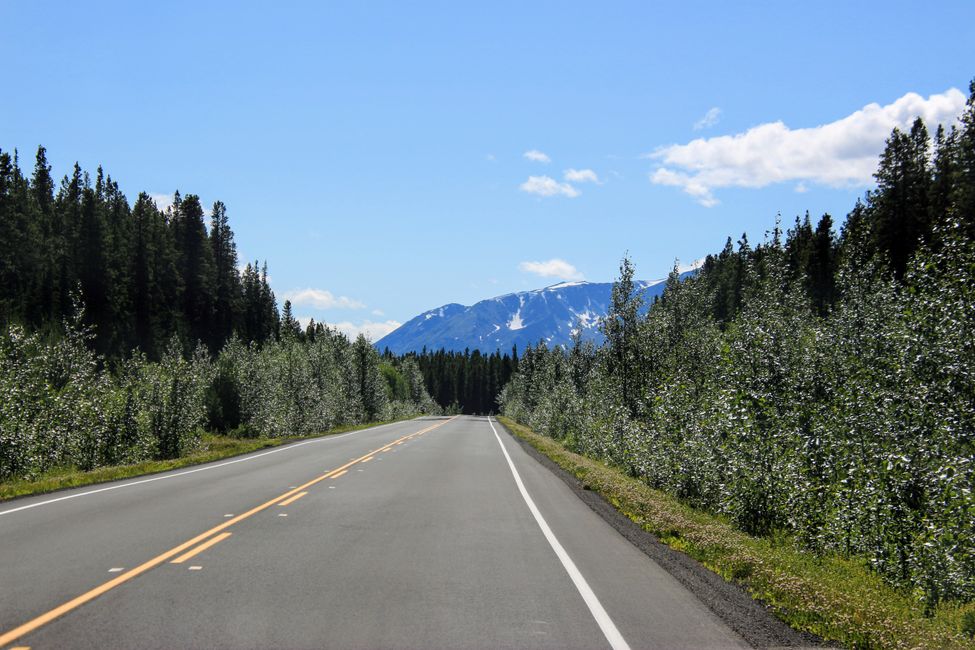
375, 153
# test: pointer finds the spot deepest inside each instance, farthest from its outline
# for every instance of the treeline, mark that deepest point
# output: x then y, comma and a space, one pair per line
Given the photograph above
143, 274
464, 382
816, 385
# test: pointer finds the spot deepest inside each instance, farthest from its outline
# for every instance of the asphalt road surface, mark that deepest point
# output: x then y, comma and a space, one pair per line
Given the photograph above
431, 533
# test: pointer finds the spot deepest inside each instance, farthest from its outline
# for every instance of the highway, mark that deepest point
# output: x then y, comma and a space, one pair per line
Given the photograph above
429, 533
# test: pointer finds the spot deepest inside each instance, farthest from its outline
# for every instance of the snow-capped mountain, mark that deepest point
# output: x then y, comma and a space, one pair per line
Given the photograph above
551, 314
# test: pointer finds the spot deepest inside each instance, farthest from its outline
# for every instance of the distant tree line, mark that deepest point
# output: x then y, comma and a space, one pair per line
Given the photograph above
143, 274
463, 382
817, 385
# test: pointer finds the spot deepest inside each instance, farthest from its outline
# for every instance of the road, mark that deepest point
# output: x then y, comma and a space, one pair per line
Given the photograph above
430, 533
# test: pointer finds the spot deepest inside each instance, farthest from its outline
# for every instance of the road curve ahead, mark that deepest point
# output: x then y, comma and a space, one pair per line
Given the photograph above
431, 533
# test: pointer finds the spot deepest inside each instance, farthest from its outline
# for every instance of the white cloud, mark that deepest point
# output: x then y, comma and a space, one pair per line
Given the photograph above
710, 119
581, 176
378, 312
537, 156
165, 201
839, 154
553, 268
490, 157
690, 185
321, 299
162, 201
547, 186
372, 330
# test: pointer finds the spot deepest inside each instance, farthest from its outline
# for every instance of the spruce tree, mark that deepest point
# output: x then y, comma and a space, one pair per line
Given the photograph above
42, 185
290, 327
91, 263
822, 266
196, 267
22, 249
227, 289
899, 207
962, 208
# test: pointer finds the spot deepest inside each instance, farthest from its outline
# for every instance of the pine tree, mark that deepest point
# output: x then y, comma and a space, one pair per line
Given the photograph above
119, 254
47, 299
155, 293
821, 273
21, 247
91, 263
290, 327
42, 185
899, 206
195, 262
944, 170
270, 321
227, 289
962, 206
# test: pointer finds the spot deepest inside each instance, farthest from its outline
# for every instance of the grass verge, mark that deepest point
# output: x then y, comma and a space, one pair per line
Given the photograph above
212, 447
835, 598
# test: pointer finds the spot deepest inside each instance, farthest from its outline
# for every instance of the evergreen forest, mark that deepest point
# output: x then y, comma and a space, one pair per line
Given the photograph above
818, 385
464, 382
127, 332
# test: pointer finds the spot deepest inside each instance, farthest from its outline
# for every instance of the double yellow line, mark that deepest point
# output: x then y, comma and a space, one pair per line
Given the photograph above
122, 578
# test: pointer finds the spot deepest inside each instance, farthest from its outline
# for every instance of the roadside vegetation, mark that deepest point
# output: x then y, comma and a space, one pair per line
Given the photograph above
835, 597
64, 412
814, 388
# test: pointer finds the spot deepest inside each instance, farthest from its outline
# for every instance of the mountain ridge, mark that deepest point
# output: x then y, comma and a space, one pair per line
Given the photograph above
551, 314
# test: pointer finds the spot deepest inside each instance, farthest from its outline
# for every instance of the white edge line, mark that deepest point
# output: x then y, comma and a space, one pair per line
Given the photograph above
616, 640
193, 471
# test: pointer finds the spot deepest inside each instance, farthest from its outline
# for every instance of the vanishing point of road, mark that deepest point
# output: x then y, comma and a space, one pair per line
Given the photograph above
429, 533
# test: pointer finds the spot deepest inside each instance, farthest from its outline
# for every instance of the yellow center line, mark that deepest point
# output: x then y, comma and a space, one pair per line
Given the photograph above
122, 578
213, 541
344, 471
366, 460
289, 501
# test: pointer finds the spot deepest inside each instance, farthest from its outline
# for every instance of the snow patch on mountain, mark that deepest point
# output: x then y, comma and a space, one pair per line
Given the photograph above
515, 319
515, 322
563, 285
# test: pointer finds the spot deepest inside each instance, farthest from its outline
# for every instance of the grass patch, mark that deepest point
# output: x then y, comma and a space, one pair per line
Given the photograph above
212, 447
838, 599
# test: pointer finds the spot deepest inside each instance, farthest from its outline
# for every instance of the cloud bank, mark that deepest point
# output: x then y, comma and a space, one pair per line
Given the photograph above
580, 176
548, 186
838, 154
321, 299
537, 156
163, 201
370, 329
553, 268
